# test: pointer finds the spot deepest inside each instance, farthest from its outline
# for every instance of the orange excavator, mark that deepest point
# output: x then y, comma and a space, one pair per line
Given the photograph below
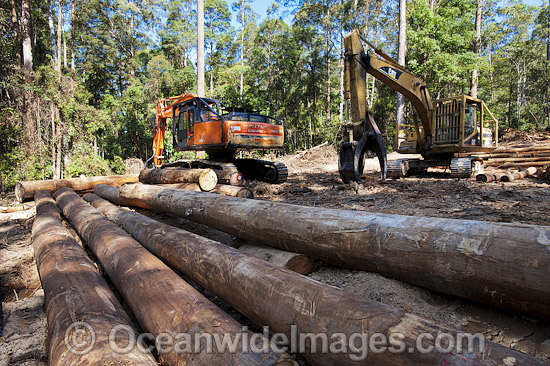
206, 124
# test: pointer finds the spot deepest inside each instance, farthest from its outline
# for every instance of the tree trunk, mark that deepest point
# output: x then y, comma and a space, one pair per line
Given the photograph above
401, 55
284, 300
171, 305
59, 30
395, 246
74, 290
73, 20
26, 190
15, 25
242, 50
64, 52
200, 48
477, 46
26, 33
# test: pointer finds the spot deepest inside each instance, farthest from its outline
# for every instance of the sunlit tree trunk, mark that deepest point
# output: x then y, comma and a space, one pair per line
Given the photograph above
73, 19
59, 30
477, 48
15, 26
242, 49
26, 33
400, 114
200, 48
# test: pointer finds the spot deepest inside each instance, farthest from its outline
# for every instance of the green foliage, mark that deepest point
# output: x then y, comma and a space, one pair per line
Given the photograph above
127, 57
85, 162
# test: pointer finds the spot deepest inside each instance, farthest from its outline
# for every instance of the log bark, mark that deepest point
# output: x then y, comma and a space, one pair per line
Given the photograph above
225, 189
489, 177
161, 301
295, 262
231, 178
519, 175
74, 290
283, 299
206, 178
466, 258
25, 190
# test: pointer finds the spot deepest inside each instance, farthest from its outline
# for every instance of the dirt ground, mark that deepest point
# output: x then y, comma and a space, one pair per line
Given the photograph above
314, 181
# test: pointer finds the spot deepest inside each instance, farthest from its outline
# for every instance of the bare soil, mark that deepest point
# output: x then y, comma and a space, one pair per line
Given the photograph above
314, 181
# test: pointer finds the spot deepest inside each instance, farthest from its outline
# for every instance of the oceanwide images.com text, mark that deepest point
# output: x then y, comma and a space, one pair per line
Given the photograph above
80, 338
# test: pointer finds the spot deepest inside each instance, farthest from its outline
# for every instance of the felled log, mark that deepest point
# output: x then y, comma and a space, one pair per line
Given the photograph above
161, 300
295, 262
519, 175
75, 291
225, 189
284, 299
205, 178
489, 177
25, 190
466, 258
228, 177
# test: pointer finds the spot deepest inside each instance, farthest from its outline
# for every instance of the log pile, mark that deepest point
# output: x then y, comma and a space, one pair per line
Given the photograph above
506, 177
518, 157
273, 296
74, 289
470, 259
153, 291
465, 258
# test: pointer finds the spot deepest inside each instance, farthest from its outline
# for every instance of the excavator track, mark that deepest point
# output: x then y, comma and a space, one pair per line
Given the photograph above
267, 171
465, 167
397, 168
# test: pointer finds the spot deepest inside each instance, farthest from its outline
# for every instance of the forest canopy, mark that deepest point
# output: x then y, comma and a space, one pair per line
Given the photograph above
79, 80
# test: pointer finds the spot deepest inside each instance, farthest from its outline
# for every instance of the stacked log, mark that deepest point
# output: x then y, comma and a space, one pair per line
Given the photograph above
285, 301
515, 157
25, 190
205, 178
470, 259
519, 175
161, 300
75, 291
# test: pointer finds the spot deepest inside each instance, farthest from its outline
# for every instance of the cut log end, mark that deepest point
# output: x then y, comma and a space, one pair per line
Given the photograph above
208, 180
20, 192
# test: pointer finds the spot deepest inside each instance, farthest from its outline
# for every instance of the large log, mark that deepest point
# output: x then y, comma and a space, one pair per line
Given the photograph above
25, 190
228, 190
205, 178
519, 175
161, 300
283, 299
466, 258
75, 291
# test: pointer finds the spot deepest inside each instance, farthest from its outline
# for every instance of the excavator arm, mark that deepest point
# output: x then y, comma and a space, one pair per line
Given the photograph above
362, 133
164, 110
